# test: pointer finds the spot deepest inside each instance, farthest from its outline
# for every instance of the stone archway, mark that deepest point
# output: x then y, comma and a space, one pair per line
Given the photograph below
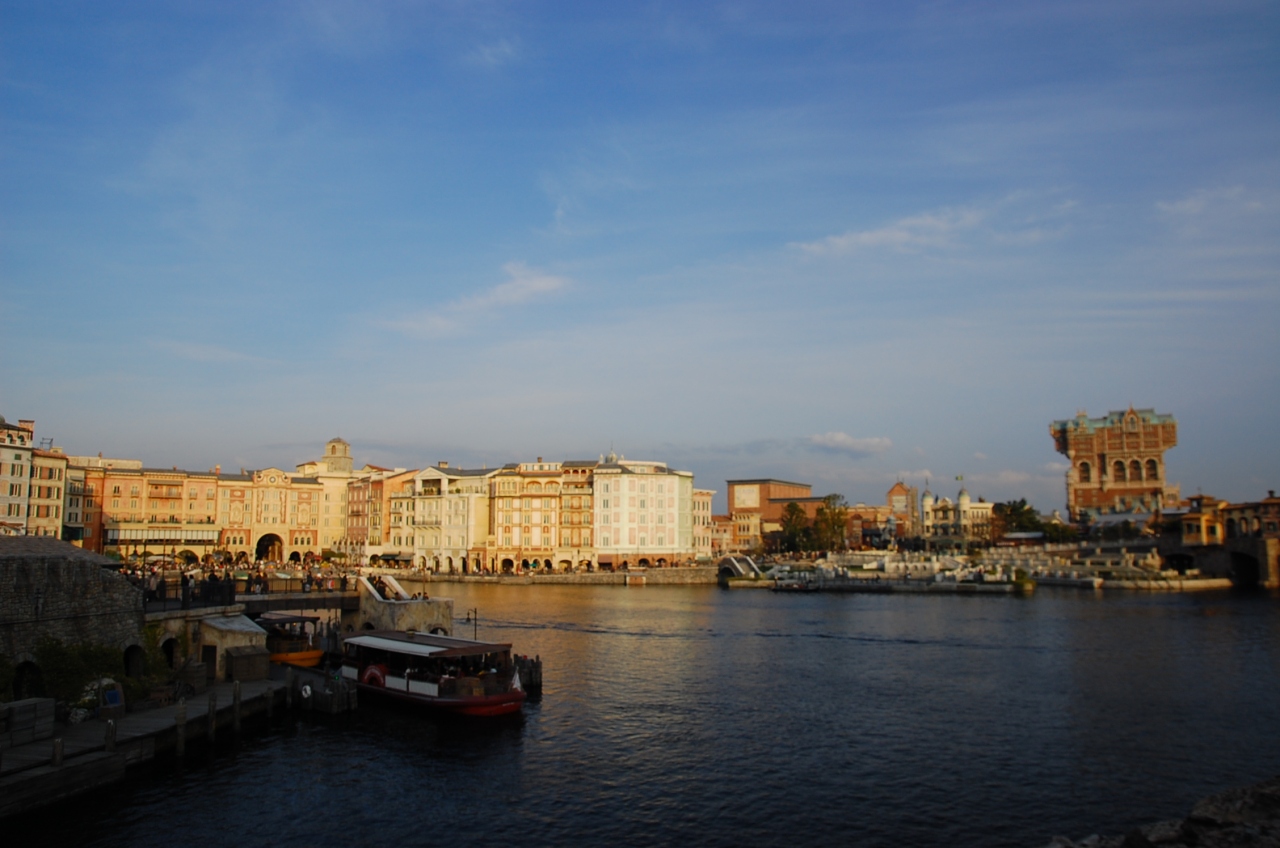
270, 547
508, 565
134, 661
1246, 571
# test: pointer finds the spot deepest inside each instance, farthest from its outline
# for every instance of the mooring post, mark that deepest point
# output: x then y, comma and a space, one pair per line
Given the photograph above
288, 688
235, 707
56, 759
213, 717
109, 743
180, 727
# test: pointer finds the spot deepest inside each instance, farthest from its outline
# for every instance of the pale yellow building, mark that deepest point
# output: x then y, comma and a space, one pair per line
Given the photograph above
447, 516
46, 492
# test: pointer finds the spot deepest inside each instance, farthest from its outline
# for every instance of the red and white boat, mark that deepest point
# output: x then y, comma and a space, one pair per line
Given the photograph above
460, 676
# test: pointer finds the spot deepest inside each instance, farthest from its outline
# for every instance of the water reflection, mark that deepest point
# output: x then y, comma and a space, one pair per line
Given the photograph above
689, 714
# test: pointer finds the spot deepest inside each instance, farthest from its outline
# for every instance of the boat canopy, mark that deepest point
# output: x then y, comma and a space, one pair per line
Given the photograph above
425, 644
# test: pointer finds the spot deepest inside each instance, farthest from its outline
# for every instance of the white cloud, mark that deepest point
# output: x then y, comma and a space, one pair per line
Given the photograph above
980, 455
838, 442
930, 230
524, 284
1203, 200
1057, 467
495, 54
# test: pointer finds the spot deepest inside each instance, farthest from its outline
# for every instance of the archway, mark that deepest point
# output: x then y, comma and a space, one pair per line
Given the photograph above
508, 566
565, 565
1246, 571
134, 665
28, 682
293, 557
189, 557
270, 547
643, 563
169, 647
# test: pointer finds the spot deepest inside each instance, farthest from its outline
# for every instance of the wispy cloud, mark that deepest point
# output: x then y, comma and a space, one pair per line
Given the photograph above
1204, 200
917, 232
525, 284
494, 54
837, 442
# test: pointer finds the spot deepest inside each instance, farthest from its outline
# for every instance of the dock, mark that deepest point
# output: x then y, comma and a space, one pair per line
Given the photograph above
94, 753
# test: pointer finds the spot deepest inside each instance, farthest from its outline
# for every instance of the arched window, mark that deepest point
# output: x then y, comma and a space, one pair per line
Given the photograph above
1118, 471
1153, 470
1086, 473
1135, 471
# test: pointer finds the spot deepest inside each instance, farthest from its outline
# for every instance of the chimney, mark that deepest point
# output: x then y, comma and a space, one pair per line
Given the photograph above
217, 469
539, 459
443, 464
27, 424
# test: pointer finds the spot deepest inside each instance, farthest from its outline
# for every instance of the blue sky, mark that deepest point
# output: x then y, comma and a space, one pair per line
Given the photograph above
844, 243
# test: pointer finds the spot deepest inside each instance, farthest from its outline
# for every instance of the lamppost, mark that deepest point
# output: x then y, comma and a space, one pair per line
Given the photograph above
473, 618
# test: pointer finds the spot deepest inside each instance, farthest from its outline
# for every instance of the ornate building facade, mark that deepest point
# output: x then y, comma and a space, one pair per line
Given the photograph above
1117, 461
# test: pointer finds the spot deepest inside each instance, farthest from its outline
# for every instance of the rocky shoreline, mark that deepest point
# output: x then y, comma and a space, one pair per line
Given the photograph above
1231, 819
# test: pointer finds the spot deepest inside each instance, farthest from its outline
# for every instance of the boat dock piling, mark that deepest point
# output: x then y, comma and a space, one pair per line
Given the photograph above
530, 672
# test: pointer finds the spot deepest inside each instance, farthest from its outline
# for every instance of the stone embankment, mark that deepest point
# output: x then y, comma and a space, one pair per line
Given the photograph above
1237, 817
700, 575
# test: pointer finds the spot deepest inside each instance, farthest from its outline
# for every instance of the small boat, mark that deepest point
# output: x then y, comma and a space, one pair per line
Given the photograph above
460, 676
288, 640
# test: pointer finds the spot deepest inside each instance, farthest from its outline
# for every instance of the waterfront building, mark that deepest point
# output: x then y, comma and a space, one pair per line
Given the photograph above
85, 491
334, 471
1117, 462
46, 492
702, 523
756, 507
721, 530
17, 442
961, 521
644, 513
904, 507
369, 494
268, 514
526, 509
444, 512
1259, 519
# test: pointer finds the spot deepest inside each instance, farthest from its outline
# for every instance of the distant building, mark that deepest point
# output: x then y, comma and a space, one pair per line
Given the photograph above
964, 520
16, 446
756, 507
1117, 462
702, 523
46, 493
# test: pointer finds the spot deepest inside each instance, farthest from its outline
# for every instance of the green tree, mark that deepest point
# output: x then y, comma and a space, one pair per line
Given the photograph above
795, 528
1015, 517
830, 523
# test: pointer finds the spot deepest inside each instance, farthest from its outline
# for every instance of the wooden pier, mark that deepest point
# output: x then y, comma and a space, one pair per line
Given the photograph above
94, 753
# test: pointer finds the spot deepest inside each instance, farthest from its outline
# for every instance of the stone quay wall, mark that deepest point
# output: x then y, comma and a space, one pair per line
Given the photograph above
697, 575
49, 588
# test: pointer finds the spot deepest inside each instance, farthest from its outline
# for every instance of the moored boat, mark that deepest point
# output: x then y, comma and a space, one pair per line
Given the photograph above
460, 676
288, 640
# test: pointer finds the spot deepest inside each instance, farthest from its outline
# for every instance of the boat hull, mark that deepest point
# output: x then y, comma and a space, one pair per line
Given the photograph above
476, 705
305, 659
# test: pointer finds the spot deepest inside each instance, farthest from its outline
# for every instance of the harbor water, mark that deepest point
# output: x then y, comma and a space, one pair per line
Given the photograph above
693, 715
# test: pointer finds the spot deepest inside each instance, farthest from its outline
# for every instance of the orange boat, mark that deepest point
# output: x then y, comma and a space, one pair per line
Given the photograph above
460, 676
288, 640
